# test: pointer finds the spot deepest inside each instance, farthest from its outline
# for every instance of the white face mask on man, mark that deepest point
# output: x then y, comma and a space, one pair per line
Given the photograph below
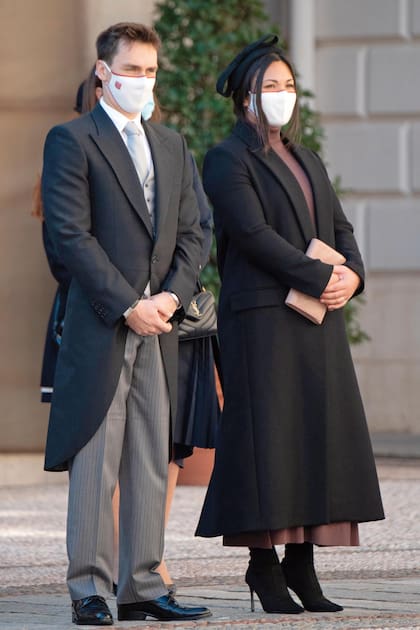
277, 106
132, 94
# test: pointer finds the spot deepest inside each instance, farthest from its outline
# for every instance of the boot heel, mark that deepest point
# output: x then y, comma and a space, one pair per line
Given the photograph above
270, 586
131, 615
251, 592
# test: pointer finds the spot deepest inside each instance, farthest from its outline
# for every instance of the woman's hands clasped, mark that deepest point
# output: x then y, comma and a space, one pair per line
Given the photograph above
340, 288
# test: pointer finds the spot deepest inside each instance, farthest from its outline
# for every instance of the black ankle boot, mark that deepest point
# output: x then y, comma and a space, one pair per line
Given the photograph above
259, 557
265, 576
299, 572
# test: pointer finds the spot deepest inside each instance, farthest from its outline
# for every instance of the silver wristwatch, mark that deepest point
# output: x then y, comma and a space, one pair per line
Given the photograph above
176, 298
131, 308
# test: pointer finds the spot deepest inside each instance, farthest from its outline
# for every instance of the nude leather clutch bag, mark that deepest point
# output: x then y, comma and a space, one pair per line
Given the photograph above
308, 306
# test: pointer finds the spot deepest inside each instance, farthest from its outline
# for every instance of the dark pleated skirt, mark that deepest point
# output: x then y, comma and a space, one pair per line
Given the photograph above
52, 344
198, 408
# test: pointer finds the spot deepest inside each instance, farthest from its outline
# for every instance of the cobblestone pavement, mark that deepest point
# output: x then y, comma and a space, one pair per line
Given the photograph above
378, 582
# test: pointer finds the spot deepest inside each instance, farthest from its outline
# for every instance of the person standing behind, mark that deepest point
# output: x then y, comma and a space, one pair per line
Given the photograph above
122, 215
294, 463
89, 91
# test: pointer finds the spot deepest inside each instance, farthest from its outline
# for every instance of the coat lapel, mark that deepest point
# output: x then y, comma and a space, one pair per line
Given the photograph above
164, 172
284, 176
321, 188
292, 188
111, 145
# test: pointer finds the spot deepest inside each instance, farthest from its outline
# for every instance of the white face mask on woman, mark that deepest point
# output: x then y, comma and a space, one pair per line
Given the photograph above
277, 106
132, 94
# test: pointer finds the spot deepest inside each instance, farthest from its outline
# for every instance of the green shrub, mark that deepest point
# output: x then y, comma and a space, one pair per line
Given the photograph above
199, 38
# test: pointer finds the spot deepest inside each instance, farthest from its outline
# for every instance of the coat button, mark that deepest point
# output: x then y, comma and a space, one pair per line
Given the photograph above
155, 259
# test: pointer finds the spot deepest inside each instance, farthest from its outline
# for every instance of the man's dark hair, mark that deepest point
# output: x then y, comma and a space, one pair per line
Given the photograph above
130, 32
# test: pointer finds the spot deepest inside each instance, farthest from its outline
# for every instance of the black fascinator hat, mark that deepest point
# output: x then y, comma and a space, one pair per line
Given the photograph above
232, 76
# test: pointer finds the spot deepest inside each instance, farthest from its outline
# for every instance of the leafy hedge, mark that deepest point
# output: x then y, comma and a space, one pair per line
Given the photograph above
199, 38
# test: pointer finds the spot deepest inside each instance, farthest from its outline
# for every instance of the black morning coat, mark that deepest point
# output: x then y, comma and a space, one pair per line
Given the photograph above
97, 219
293, 447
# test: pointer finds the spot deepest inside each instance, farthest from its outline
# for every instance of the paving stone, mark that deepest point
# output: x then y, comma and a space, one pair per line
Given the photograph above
378, 583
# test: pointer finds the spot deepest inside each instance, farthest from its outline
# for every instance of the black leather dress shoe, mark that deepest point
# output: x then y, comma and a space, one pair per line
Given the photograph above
91, 611
164, 608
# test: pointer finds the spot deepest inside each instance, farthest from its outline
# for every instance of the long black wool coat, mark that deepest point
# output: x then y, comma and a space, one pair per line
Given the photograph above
293, 446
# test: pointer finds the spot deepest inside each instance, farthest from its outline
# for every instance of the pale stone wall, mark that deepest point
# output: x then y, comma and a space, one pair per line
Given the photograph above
388, 365
368, 91
46, 48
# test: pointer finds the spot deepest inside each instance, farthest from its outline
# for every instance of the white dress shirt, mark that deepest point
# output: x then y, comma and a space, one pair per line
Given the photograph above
120, 122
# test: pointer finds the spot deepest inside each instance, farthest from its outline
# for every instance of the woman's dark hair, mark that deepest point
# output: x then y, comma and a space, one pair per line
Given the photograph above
252, 82
130, 32
86, 98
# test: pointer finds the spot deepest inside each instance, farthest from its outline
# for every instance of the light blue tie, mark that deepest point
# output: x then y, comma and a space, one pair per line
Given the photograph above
136, 148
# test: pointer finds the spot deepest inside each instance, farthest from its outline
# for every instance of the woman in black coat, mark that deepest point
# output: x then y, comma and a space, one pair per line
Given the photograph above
294, 463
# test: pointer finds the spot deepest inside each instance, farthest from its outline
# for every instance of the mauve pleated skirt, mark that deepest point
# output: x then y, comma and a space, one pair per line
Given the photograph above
344, 534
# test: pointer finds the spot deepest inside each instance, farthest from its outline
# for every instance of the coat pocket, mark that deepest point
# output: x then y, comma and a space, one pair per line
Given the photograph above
258, 298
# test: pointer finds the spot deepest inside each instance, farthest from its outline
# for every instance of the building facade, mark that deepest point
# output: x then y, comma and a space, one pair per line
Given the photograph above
367, 87
361, 59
